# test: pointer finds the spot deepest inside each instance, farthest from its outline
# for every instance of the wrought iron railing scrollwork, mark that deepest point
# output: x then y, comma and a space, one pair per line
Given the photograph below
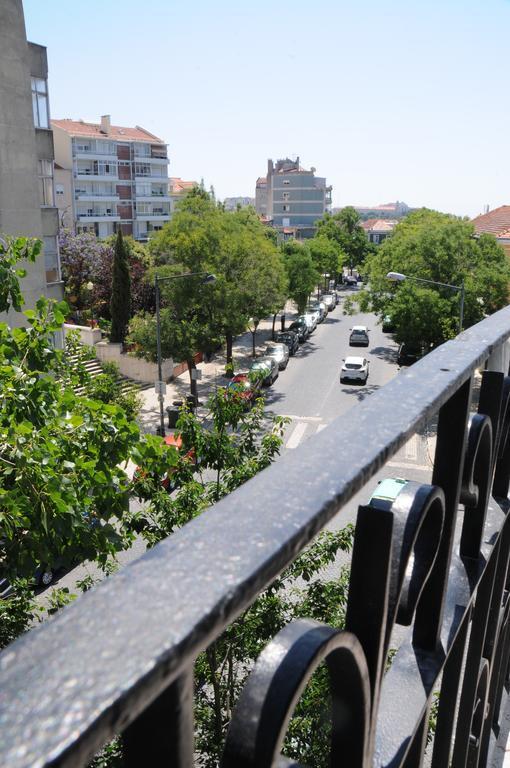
402, 549
430, 568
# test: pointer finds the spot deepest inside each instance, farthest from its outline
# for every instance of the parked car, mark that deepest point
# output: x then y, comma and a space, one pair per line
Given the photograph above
241, 386
388, 326
329, 301
301, 328
351, 281
311, 321
315, 314
320, 308
280, 352
386, 492
268, 369
354, 369
289, 338
408, 354
359, 336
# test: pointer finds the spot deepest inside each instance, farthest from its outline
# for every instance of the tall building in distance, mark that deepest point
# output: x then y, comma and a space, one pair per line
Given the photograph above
27, 205
109, 177
233, 203
294, 198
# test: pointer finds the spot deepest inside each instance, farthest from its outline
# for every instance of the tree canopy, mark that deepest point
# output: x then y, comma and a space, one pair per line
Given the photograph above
443, 248
302, 273
344, 229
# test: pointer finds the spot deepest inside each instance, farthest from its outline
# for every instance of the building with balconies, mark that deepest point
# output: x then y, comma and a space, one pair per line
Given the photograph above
110, 177
293, 199
27, 205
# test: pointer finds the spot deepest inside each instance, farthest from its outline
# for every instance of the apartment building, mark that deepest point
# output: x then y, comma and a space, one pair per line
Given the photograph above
27, 204
109, 177
295, 199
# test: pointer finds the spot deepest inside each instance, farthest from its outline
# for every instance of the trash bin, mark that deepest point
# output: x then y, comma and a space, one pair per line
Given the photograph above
173, 414
191, 402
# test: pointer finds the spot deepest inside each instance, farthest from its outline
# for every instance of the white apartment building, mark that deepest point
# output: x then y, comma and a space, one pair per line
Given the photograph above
109, 176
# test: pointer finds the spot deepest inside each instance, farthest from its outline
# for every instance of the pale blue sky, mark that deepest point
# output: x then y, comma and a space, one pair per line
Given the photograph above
393, 100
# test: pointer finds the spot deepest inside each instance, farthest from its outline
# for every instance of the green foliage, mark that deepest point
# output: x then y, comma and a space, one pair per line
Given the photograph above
439, 247
120, 302
301, 271
344, 229
12, 251
17, 612
327, 256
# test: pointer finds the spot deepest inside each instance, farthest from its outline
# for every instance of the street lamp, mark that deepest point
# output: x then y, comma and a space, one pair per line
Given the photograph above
398, 277
207, 278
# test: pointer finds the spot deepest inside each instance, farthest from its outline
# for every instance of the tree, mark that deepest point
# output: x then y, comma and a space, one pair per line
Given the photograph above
443, 248
79, 256
120, 302
345, 229
327, 256
302, 274
63, 491
140, 263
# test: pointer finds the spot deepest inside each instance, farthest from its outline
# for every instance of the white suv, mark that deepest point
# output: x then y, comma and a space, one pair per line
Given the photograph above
354, 369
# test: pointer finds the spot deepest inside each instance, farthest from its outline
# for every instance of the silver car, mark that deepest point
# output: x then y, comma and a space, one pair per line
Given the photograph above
280, 352
267, 368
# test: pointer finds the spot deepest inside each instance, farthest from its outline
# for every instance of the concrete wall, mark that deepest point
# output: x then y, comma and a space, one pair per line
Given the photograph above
65, 201
89, 336
134, 367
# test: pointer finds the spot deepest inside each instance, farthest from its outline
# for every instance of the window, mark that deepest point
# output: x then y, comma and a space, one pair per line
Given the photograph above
286, 182
142, 169
286, 208
286, 195
40, 103
143, 208
51, 262
59, 189
286, 222
46, 182
143, 190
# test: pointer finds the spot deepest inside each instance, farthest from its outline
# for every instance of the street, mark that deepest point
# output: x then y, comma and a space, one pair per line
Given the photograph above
309, 392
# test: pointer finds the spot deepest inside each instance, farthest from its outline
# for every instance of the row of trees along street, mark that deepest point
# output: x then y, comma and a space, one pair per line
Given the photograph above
254, 277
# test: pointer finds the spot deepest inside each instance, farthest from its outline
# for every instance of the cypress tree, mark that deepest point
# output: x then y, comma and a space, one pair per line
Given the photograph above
120, 302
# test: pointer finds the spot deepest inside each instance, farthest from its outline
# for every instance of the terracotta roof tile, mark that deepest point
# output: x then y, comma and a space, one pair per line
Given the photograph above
496, 222
117, 132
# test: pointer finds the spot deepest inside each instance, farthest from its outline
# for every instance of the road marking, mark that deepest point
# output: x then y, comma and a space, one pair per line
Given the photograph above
296, 436
302, 418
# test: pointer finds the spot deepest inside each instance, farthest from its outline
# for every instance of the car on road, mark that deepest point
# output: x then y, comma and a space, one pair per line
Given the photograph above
320, 308
289, 338
329, 301
310, 319
280, 352
301, 328
359, 336
354, 369
409, 354
386, 492
388, 326
168, 481
266, 368
351, 281
242, 387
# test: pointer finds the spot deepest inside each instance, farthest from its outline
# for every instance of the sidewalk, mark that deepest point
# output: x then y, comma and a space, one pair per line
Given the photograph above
212, 372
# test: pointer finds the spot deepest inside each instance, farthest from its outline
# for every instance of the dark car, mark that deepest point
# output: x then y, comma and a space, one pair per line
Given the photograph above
266, 368
388, 326
409, 354
301, 328
289, 338
351, 280
359, 336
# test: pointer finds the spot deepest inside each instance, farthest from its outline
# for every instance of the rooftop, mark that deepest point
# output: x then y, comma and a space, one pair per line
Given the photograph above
116, 132
379, 225
496, 222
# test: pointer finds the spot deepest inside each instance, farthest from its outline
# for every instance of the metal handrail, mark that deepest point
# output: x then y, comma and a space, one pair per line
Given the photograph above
121, 657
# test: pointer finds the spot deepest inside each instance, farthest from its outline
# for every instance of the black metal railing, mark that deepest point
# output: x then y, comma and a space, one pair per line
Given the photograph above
436, 561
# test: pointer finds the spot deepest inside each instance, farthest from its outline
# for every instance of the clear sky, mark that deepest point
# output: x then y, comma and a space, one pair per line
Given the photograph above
402, 100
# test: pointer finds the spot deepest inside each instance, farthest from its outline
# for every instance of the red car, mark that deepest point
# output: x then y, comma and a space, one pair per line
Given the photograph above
240, 386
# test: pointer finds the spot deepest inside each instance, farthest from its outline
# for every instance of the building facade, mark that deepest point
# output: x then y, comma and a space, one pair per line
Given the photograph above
110, 177
177, 187
377, 230
497, 223
232, 203
27, 205
295, 198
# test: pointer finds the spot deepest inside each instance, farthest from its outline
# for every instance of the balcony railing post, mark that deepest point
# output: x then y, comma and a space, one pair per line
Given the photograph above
163, 734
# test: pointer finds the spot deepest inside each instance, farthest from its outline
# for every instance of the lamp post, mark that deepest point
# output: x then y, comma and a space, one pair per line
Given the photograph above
207, 278
398, 277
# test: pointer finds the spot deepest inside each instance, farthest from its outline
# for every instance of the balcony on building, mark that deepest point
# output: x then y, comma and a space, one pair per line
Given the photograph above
94, 149
100, 170
102, 191
97, 213
154, 153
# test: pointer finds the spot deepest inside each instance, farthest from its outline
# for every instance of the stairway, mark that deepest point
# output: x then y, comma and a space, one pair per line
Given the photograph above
94, 368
